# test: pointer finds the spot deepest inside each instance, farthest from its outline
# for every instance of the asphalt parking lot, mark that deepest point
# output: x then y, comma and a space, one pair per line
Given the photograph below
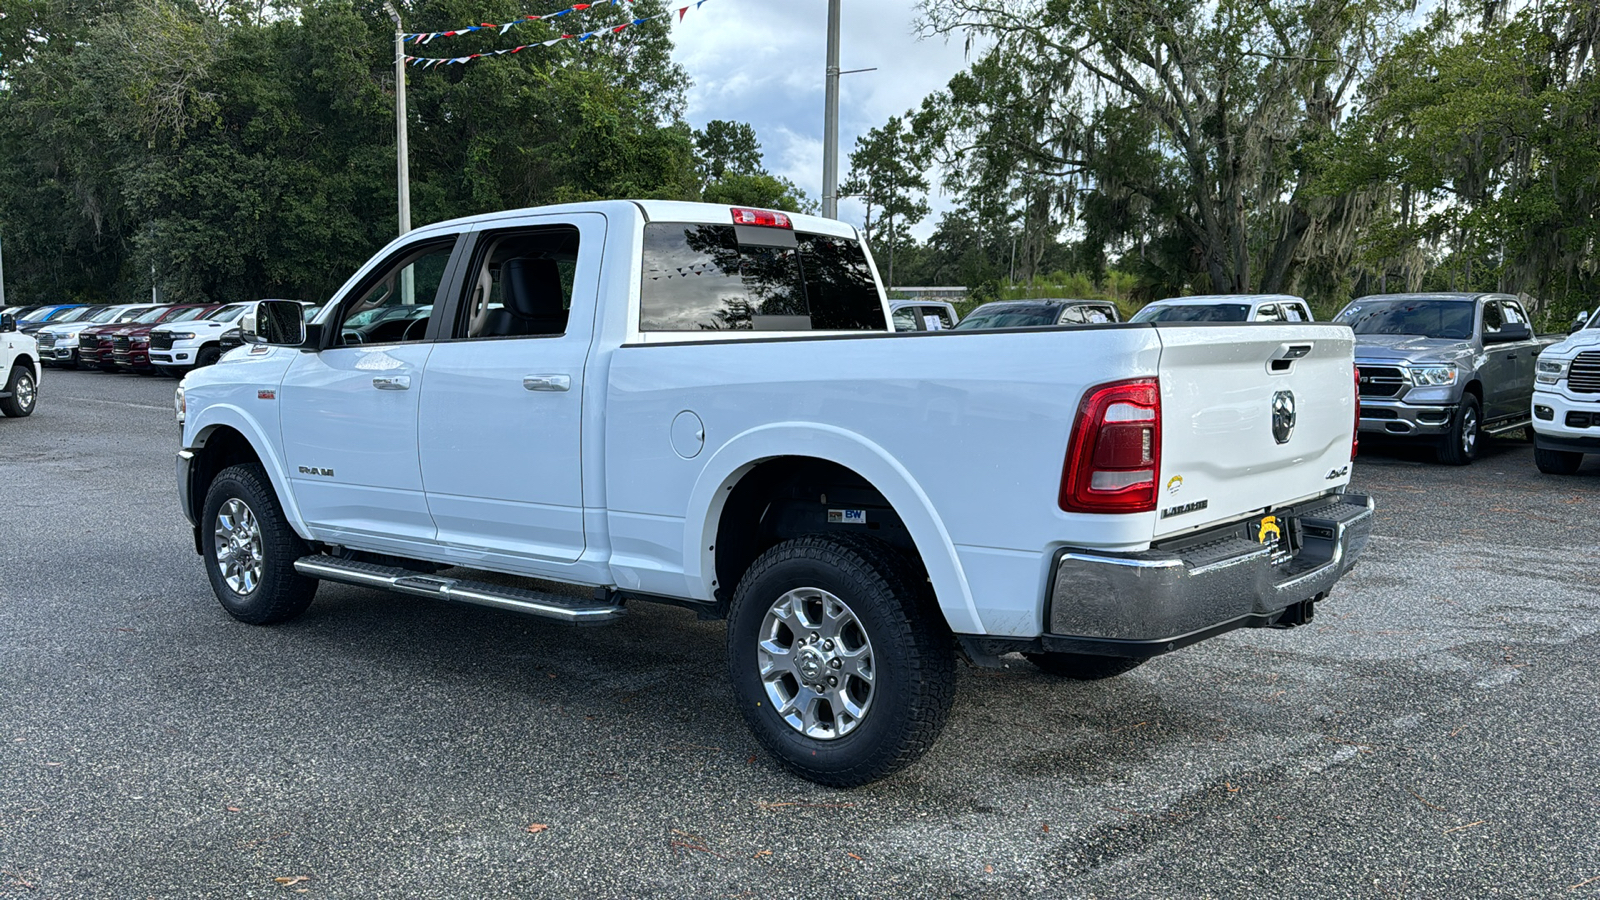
1432, 734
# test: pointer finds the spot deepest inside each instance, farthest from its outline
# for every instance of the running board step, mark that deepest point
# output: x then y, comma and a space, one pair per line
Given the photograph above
405, 581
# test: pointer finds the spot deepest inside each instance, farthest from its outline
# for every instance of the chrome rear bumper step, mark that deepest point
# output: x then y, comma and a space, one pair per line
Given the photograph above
405, 581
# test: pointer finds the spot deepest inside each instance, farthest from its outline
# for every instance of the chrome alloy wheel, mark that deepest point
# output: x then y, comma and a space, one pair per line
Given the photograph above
25, 390
1469, 431
816, 663
238, 541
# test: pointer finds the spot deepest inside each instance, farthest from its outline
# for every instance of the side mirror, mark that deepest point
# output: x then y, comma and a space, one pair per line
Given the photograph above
278, 323
8, 322
1509, 332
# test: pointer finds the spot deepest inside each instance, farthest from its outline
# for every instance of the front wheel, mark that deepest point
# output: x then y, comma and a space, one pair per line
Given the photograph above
24, 392
1557, 462
839, 662
1460, 445
250, 549
208, 355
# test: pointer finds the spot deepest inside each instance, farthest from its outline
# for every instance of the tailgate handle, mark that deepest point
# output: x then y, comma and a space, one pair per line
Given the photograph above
1293, 351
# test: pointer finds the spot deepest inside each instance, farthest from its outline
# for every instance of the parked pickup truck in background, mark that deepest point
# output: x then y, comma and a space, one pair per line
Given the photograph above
19, 369
1448, 368
684, 403
1566, 401
1040, 313
179, 346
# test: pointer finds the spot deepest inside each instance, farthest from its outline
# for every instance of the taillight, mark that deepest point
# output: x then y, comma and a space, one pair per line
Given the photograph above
1115, 451
1355, 436
763, 217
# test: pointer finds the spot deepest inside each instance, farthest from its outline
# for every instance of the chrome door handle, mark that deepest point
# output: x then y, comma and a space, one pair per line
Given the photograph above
547, 382
392, 382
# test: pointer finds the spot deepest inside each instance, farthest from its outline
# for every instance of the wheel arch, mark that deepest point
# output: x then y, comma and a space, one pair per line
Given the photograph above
764, 460
227, 437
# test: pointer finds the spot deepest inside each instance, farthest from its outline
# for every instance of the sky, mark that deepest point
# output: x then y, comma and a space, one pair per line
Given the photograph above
763, 62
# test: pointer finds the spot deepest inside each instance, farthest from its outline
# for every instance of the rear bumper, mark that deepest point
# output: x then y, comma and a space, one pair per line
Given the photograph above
1144, 604
1404, 419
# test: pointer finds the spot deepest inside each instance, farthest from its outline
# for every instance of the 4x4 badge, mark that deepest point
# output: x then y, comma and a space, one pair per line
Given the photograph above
1282, 416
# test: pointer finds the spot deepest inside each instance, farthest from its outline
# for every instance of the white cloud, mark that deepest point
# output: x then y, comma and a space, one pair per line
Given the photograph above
763, 62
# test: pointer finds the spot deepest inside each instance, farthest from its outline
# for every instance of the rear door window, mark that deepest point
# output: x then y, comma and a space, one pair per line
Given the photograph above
719, 278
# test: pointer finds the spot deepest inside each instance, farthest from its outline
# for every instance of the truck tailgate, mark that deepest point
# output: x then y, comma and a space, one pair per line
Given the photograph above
1223, 455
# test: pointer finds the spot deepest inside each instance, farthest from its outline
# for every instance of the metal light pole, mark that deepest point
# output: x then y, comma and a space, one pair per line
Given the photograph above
830, 120
2, 278
402, 151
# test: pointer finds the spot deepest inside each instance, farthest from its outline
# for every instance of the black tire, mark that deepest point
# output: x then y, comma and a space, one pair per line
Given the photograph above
912, 657
208, 355
1082, 666
24, 389
281, 593
1465, 436
72, 363
1557, 462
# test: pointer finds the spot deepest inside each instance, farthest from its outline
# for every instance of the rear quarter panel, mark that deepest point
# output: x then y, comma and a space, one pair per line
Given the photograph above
964, 432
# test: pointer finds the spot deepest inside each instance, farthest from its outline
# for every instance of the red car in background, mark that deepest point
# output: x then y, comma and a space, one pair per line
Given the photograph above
130, 344
94, 343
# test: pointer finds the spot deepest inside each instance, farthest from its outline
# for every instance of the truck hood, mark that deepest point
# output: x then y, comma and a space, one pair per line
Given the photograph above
1410, 348
1587, 339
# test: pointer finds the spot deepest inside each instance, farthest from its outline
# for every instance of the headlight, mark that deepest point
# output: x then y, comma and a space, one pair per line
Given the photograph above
1433, 376
1552, 370
182, 335
180, 405
141, 339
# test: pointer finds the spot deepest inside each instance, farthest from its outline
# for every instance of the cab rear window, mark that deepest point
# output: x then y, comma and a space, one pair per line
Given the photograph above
719, 278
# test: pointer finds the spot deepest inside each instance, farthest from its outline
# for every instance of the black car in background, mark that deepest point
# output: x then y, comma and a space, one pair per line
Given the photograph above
1040, 313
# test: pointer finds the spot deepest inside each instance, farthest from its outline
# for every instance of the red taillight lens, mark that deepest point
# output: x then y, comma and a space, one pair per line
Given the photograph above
1114, 455
763, 217
1355, 436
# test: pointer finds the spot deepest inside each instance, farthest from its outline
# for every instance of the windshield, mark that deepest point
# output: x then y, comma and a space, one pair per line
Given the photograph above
152, 315
1008, 317
131, 315
73, 315
1216, 312
39, 315
229, 313
191, 313
1450, 319
105, 315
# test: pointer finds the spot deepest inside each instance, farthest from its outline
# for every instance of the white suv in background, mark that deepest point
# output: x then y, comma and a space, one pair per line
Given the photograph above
1226, 308
180, 346
1566, 401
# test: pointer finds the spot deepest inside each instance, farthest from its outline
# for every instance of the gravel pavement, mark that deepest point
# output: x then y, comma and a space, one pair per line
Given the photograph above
1431, 734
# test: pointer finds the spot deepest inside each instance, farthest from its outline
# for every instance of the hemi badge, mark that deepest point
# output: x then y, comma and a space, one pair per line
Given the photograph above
266, 395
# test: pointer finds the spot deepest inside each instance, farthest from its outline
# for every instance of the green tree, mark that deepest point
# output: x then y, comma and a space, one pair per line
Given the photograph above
888, 173
1137, 120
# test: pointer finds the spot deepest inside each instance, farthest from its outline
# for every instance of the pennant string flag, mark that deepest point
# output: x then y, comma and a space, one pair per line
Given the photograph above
428, 36
425, 62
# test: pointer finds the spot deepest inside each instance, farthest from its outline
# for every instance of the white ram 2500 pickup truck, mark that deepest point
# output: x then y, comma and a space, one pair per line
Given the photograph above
19, 370
708, 407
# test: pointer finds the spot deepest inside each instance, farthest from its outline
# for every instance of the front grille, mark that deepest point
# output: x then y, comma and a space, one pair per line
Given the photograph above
1381, 381
1583, 376
1581, 419
161, 340
121, 344
46, 341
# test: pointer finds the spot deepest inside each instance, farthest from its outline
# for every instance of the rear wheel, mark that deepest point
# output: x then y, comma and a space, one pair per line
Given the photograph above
1557, 462
24, 392
1082, 666
839, 662
1460, 445
250, 549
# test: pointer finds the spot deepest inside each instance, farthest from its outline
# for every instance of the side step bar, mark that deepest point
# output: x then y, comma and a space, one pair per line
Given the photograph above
604, 608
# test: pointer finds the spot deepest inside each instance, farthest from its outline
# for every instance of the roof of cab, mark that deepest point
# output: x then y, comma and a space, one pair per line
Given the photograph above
653, 210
